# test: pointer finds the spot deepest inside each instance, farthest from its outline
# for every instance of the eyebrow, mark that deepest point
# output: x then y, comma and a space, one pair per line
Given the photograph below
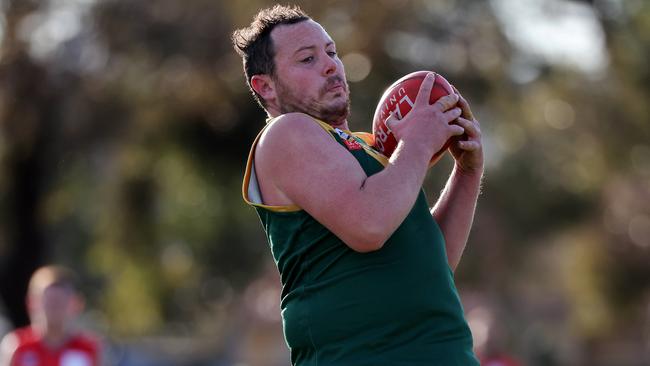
312, 47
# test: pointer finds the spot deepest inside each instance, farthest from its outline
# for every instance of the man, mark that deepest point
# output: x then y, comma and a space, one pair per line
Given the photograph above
366, 267
53, 303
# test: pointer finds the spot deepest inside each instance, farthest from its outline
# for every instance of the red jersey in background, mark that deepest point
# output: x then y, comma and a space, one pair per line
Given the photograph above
78, 350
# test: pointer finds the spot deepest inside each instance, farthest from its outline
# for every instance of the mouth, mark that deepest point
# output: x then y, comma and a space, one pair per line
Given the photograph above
335, 85
338, 88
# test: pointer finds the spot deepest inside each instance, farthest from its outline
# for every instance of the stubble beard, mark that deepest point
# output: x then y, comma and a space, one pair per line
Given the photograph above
333, 113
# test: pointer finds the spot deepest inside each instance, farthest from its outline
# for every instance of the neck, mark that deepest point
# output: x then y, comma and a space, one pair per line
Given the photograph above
52, 335
342, 123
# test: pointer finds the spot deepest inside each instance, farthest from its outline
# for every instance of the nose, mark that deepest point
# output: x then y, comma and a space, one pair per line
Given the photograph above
330, 65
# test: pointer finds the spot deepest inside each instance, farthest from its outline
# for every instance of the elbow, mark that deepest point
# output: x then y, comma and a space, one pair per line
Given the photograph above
366, 247
368, 239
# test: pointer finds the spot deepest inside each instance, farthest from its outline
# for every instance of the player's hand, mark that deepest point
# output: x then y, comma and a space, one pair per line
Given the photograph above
428, 125
468, 150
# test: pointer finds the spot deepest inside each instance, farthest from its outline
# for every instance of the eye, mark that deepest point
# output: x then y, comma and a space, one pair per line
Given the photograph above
307, 60
332, 53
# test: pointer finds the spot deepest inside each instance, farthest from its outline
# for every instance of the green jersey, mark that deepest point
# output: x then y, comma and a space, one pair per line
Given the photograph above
394, 306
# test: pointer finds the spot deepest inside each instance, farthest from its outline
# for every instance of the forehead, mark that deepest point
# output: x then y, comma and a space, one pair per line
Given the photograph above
288, 38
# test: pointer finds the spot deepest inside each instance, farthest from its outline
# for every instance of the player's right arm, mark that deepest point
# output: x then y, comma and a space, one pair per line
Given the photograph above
298, 163
7, 349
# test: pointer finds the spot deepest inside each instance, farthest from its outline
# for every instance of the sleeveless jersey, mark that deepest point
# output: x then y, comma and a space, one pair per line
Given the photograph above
79, 350
394, 306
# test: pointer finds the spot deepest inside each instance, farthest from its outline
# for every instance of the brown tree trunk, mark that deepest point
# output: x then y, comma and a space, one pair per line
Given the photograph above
26, 104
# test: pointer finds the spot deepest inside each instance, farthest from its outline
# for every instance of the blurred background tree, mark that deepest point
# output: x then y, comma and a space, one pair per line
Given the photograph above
125, 127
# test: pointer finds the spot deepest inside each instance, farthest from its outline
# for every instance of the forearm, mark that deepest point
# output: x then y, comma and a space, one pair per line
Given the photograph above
390, 195
385, 199
454, 211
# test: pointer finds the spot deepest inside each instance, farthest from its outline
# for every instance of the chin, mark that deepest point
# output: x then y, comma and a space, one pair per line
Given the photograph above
336, 117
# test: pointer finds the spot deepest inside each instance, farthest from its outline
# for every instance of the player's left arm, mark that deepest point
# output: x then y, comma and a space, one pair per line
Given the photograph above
454, 211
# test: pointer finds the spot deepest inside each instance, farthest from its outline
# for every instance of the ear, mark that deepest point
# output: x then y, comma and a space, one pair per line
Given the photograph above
264, 86
30, 302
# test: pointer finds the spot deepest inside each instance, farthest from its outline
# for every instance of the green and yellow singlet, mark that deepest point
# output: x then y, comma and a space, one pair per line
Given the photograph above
396, 306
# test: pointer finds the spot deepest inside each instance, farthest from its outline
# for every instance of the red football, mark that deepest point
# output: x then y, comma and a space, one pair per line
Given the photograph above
399, 98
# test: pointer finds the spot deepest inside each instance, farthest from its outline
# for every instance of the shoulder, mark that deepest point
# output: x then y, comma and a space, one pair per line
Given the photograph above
294, 120
12, 341
293, 127
292, 136
9, 343
19, 336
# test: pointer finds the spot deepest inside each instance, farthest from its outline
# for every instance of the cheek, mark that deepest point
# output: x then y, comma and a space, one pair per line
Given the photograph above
302, 81
302, 85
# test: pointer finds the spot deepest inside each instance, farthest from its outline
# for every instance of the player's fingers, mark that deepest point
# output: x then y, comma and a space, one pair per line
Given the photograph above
455, 130
462, 102
446, 102
425, 89
471, 129
452, 114
469, 145
467, 111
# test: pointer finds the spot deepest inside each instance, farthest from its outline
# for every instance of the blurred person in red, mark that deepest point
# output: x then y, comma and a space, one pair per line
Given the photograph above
495, 352
54, 303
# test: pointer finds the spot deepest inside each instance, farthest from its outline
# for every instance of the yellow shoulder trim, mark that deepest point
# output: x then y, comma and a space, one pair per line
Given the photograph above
368, 140
367, 137
326, 126
250, 187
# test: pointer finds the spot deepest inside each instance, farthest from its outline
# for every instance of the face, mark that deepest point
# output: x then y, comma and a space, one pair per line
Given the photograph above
55, 305
309, 76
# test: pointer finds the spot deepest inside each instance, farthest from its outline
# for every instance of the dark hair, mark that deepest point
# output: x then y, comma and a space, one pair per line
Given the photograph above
254, 43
